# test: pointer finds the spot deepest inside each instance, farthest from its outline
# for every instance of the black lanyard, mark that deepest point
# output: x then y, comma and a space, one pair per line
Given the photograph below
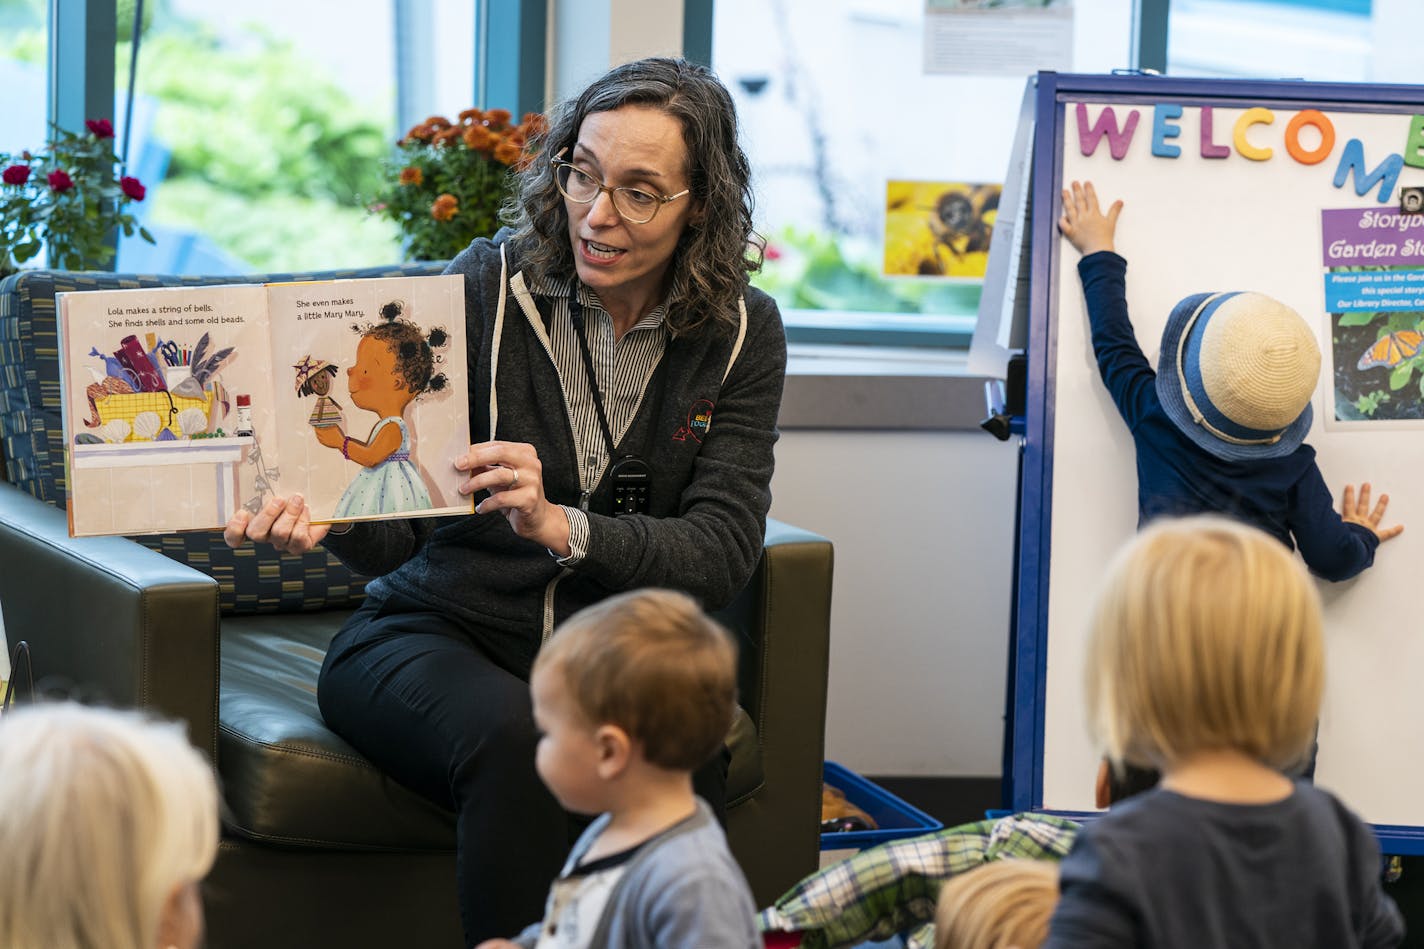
576, 314
630, 474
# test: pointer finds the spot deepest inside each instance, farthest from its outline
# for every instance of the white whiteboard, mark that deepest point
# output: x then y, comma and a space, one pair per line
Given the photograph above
1194, 224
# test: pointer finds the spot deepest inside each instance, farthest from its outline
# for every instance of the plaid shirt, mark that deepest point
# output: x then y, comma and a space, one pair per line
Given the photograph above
892, 888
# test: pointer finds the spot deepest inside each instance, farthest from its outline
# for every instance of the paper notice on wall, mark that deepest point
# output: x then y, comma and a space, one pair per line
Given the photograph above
1002, 326
1007, 38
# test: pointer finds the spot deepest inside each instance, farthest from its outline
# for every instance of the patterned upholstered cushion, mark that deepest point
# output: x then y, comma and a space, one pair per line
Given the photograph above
252, 580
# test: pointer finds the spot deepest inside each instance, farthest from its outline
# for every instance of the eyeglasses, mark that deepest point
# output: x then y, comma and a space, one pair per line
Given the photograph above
632, 205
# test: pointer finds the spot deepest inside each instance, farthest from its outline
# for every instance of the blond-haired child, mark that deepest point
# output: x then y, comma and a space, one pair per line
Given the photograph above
631, 696
1001, 904
1206, 660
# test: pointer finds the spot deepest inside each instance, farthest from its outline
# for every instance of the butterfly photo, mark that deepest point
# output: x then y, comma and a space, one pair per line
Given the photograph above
1391, 349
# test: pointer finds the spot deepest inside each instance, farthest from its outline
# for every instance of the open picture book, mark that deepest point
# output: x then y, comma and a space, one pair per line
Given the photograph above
182, 405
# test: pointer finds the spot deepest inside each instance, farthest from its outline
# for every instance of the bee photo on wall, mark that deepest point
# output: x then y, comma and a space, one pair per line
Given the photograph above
939, 229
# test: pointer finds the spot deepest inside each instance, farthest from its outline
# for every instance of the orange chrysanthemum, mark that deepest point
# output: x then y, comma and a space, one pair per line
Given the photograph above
506, 153
473, 152
479, 138
445, 207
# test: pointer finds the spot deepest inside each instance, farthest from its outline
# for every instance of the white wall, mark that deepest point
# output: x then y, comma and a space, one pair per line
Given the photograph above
922, 524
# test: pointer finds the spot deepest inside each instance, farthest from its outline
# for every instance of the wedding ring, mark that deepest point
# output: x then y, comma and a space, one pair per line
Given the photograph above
514, 479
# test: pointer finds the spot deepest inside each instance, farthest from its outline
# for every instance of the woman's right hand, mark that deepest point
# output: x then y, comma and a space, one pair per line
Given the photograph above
285, 523
1084, 223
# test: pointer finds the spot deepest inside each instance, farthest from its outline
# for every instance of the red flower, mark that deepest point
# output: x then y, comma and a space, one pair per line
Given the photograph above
59, 180
16, 174
133, 188
102, 128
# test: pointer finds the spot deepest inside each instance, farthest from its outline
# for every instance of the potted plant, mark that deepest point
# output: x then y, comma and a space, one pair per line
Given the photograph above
448, 180
70, 196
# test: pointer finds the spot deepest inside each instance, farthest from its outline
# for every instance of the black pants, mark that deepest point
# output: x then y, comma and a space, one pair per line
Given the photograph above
411, 690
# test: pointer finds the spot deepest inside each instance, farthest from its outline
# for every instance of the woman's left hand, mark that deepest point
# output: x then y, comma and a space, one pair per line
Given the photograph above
514, 477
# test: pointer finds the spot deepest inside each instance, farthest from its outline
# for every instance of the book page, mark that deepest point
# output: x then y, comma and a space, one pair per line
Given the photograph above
150, 382
371, 395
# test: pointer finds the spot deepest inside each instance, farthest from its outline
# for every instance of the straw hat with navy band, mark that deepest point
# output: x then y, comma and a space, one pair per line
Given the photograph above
1236, 374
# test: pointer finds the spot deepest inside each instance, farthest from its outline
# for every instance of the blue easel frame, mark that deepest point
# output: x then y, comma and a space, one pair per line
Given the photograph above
1028, 662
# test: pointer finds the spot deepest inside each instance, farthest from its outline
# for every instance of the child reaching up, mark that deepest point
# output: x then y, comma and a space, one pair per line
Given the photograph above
632, 695
1205, 658
395, 363
1220, 426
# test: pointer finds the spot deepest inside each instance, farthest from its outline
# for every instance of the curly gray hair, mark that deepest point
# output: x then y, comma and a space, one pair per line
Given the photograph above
713, 258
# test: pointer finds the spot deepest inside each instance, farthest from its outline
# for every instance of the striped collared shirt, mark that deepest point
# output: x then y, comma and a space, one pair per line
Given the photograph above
624, 368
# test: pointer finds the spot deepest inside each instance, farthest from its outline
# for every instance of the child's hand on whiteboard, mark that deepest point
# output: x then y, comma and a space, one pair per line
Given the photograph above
1357, 511
1083, 221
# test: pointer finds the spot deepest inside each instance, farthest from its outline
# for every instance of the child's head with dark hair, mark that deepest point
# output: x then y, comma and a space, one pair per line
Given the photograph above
314, 376
652, 663
412, 348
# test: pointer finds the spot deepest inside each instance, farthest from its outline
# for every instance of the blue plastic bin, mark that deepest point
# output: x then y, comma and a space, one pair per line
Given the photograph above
896, 818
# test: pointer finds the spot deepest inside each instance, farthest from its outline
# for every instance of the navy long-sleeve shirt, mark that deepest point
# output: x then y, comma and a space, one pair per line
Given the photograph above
1286, 496
1163, 871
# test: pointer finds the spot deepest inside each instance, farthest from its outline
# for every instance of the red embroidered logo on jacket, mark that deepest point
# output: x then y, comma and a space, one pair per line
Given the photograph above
699, 419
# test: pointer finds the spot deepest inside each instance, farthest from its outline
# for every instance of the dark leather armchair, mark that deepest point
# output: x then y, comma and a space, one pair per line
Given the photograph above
319, 847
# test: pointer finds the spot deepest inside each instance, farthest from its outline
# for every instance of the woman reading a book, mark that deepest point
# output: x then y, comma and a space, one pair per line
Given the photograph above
625, 383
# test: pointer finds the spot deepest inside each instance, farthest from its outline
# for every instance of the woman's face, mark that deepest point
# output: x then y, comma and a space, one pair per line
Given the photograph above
631, 147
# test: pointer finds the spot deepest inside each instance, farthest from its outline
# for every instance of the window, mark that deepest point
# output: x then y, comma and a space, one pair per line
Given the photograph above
23, 30
260, 129
1327, 40
835, 104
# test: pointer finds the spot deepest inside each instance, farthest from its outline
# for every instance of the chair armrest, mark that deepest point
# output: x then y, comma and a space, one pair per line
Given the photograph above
784, 619
110, 618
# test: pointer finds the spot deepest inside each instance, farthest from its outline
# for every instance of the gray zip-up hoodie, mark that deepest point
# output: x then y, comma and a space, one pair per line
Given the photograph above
710, 480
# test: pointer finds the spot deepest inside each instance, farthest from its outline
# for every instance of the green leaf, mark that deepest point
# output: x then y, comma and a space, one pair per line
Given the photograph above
143, 232
24, 252
1357, 319
1400, 377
